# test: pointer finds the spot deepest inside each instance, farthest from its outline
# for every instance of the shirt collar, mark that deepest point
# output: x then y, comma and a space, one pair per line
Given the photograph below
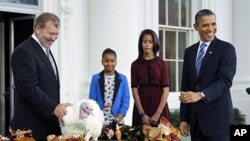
36, 39
207, 43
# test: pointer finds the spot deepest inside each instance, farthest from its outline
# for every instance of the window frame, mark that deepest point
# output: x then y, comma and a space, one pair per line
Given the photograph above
176, 29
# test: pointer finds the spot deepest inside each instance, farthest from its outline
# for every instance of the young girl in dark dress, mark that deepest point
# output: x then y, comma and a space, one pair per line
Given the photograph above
149, 82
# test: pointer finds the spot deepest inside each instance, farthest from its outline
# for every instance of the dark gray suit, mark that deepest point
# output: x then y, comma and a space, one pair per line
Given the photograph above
36, 90
215, 114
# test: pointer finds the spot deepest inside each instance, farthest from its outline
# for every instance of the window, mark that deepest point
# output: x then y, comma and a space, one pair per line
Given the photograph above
175, 34
28, 2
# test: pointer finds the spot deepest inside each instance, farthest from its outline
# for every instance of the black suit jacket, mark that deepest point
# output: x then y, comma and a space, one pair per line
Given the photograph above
36, 90
218, 68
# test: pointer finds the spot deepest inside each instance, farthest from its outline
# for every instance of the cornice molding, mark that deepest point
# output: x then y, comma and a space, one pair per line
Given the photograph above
66, 7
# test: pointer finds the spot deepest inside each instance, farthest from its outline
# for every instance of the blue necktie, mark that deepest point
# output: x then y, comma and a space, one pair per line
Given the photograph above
200, 57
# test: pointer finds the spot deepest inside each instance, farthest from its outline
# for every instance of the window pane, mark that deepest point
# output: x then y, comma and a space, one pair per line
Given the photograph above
173, 12
162, 12
184, 13
182, 42
172, 75
170, 41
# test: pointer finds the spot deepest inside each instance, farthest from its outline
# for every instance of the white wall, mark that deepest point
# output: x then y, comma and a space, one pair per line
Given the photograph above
114, 24
224, 17
241, 41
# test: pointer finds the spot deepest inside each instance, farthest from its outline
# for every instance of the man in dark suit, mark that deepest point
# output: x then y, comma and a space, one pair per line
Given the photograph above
206, 103
37, 100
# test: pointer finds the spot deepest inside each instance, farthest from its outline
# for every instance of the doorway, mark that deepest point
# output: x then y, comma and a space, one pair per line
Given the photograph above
14, 28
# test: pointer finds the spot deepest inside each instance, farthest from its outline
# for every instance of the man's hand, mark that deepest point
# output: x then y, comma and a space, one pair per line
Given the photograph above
190, 97
60, 111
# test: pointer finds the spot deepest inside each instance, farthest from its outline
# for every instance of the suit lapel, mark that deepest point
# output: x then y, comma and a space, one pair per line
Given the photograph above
55, 65
208, 55
194, 55
44, 58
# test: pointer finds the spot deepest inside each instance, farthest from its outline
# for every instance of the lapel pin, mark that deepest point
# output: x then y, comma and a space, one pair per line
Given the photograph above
210, 52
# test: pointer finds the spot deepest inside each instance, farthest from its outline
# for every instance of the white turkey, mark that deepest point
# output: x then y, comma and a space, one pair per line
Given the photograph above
83, 117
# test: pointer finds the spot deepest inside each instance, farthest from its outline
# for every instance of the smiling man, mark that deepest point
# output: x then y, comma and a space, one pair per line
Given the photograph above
37, 100
208, 71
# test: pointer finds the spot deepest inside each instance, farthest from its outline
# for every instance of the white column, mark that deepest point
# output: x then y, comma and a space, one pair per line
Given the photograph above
74, 49
151, 16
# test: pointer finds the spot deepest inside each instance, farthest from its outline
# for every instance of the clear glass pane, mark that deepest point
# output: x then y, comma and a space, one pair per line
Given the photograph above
185, 13
173, 12
180, 63
162, 12
172, 75
182, 43
170, 47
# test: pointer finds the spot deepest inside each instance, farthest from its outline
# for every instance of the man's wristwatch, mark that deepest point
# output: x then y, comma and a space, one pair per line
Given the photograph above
202, 94
203, 97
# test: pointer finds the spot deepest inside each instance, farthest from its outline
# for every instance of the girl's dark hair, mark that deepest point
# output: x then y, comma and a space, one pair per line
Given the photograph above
108, 50
203, 12
156, 42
